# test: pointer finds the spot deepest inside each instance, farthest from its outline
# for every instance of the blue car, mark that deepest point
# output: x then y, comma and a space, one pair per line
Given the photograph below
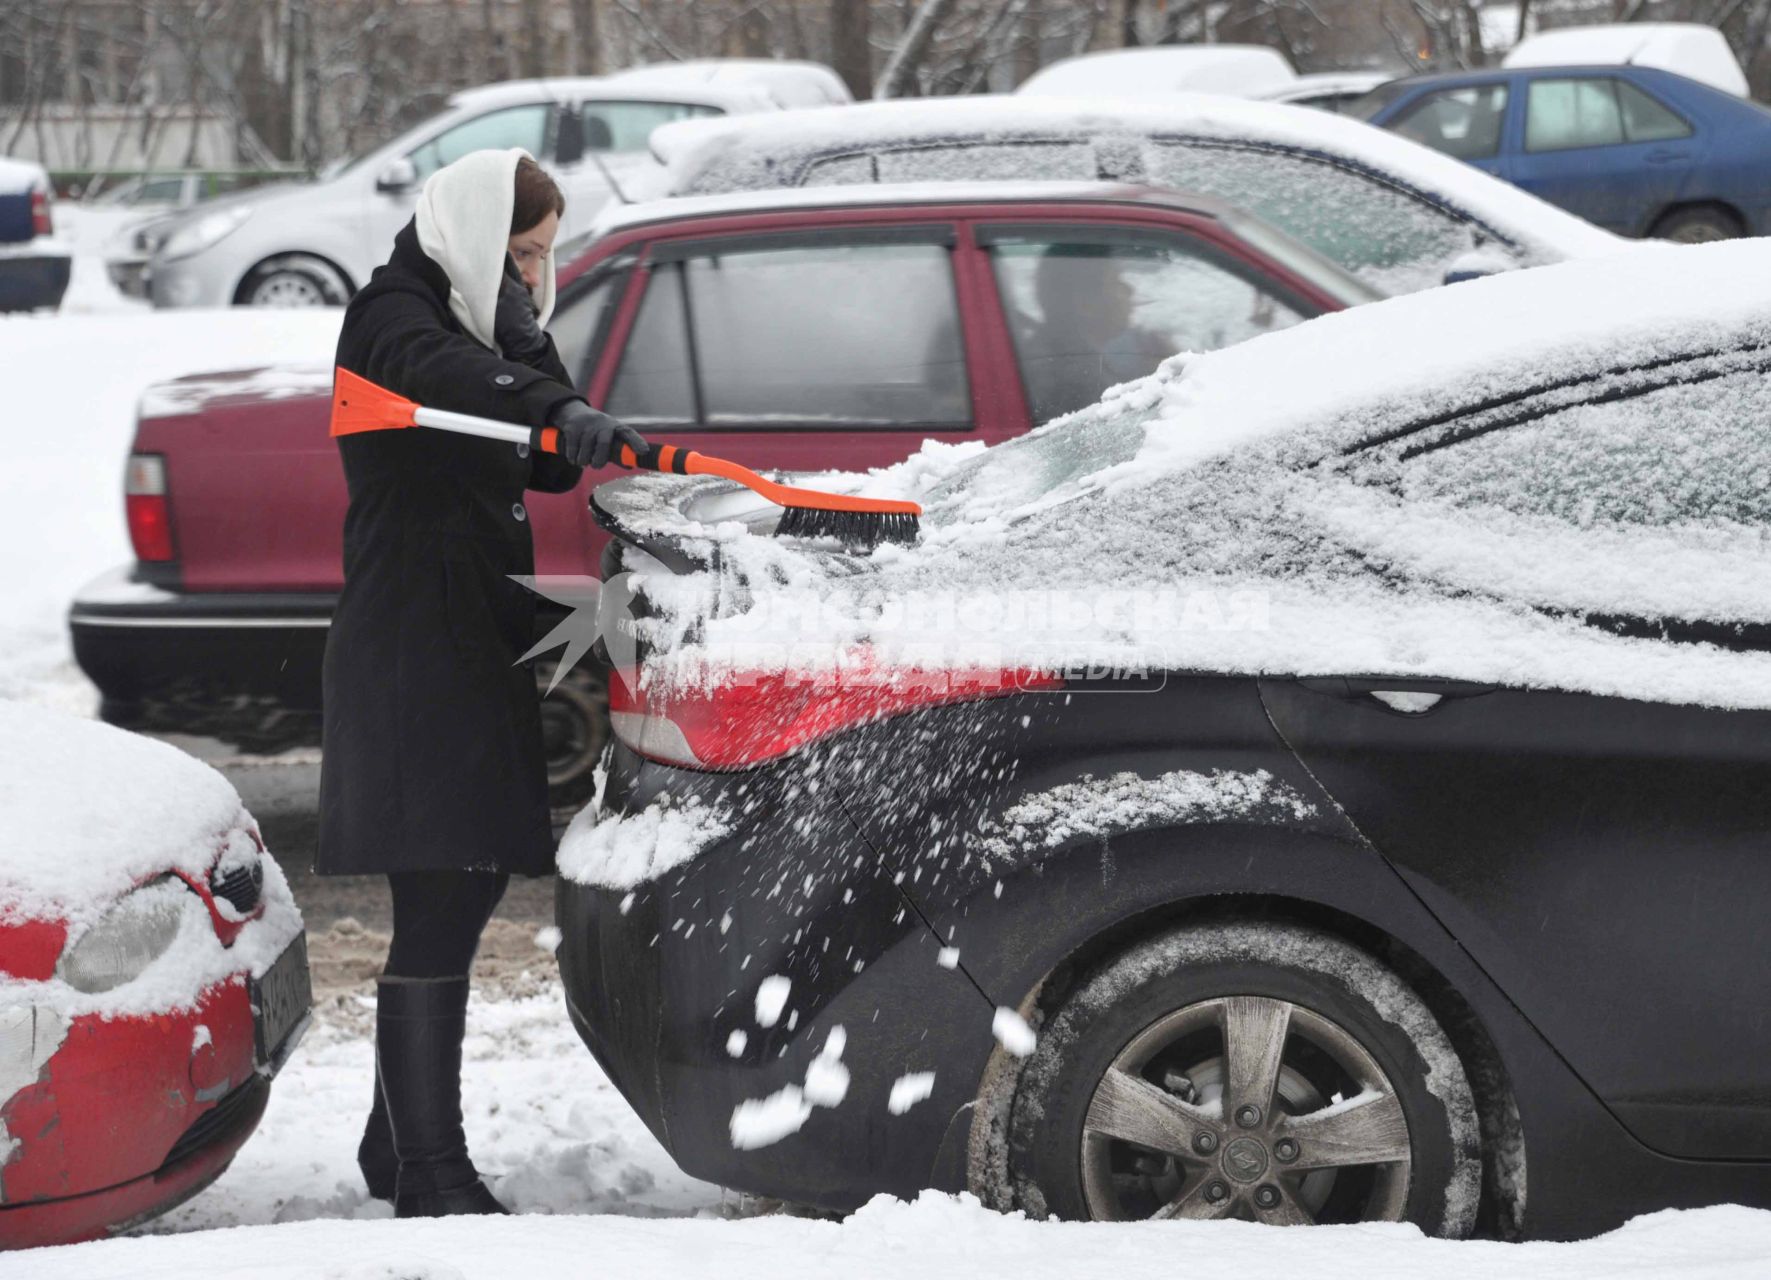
34, 267
1640, 151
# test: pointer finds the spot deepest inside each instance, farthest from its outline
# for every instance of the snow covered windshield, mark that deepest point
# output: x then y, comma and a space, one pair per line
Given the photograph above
1533, 480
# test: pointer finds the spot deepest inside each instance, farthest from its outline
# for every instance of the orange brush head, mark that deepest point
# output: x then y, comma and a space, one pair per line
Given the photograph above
359, 405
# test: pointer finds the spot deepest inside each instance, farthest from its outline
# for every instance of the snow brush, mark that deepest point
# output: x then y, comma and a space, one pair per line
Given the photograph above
360, 405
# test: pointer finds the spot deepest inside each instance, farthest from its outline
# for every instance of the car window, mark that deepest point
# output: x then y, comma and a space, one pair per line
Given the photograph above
654, 383
1645, 119
1465, 123
1563, 114
524, 127
1089, 308
626, 126
1390, 238
843, 333
1693, 452
155, 189
580, 324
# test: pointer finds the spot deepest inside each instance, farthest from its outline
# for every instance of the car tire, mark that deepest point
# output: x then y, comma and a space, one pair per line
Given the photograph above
1698, 224
293, 280
574, 732
1159, 1015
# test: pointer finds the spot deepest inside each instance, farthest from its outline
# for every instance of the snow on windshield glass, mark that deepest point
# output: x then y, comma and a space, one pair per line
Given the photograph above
1521, 480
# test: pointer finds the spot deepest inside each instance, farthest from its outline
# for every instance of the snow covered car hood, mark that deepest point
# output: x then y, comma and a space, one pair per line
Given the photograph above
1215, 516
91, 812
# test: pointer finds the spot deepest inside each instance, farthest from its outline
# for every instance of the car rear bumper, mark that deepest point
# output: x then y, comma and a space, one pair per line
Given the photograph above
240, 666
659, 979
29, 281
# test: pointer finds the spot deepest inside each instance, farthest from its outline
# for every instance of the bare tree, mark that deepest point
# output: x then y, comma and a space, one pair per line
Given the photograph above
911, 46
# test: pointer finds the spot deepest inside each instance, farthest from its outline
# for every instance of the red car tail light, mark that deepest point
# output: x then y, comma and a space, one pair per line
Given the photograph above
41, 223
148, 508
750, 718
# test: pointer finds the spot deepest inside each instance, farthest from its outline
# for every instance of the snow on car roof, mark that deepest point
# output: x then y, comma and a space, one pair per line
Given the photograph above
1687, 48
738, 98
789, 81
91, 810
1243, 69
1216, 517
20, 175
761, 151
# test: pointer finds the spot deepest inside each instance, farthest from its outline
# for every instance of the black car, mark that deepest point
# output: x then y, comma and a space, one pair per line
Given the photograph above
1409, 859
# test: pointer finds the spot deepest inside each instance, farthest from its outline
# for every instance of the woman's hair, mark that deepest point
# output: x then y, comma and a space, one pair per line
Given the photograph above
537, 196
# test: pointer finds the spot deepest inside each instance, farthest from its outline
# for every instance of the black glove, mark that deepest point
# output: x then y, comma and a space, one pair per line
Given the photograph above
588, 437
513, 323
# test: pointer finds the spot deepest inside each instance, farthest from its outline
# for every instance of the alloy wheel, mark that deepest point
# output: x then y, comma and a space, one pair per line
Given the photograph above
1248, 1107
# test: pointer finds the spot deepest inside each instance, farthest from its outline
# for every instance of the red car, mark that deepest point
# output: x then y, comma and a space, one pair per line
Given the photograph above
833, 327
153, 978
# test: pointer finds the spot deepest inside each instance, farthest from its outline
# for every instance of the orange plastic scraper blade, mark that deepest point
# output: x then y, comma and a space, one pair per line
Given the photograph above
359, 405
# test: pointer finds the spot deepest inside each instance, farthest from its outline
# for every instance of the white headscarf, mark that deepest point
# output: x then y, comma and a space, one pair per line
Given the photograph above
464, 216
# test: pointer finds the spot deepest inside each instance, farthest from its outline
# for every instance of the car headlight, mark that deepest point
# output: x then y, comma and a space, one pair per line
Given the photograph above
127, 938
202, 231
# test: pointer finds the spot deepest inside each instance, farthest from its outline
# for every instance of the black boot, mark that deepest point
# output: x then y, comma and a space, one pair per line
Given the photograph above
419, 1026
375, 1153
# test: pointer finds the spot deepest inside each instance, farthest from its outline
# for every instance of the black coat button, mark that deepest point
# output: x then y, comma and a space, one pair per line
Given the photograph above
517, 511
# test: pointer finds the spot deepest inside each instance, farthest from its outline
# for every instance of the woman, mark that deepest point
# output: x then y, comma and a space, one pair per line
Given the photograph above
433, 771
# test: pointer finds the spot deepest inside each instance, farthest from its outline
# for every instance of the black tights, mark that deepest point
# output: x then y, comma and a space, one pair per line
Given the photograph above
438, 918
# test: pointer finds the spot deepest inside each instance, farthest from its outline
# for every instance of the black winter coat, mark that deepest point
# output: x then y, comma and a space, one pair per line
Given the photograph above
432, 756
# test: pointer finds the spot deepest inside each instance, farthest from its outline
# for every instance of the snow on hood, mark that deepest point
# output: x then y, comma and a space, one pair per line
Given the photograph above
1204, 518
18, 176
197, 392
90, 811
754, 152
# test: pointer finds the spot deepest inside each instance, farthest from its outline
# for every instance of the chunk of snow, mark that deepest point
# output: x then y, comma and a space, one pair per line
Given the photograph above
827, 1081
1413, 702
763, 1122
201, 1037
736, 1041
622, 850
1013, 1033
771, 998
548, 938
947, 957
910, 1089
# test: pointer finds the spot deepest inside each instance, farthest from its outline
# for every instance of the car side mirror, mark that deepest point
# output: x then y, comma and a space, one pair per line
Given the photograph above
399, 177
568, 145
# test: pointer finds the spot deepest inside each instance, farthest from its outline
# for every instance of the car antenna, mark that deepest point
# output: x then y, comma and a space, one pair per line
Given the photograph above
609, 178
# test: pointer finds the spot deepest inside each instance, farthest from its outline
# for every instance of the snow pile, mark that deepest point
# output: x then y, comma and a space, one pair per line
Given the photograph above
91, 811
894, 1240
1098, 808
619, 851
1462, 483
1019, 138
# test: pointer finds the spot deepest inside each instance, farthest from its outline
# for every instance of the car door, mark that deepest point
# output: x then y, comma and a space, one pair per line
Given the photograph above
1607, 859
1089, 304
1602, 148
802, 349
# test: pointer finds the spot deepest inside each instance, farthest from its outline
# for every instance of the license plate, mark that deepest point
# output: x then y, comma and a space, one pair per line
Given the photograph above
280, 1003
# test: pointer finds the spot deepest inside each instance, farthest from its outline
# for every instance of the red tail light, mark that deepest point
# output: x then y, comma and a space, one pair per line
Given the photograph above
751, 718
41, 223
147, 506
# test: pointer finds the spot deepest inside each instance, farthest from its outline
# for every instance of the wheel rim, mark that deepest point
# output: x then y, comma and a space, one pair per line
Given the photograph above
1246, 1107
571, 730
288, 289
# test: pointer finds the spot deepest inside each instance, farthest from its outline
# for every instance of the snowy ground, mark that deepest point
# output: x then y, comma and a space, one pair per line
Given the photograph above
543, 1121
